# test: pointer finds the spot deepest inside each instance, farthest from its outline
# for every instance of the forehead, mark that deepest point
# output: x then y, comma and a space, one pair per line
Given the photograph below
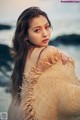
38, 21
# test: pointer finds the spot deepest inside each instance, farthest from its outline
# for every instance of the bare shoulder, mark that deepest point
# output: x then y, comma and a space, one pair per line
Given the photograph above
49, 50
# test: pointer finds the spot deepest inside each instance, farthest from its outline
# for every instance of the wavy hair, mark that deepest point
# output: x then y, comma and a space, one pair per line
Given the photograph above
20, 46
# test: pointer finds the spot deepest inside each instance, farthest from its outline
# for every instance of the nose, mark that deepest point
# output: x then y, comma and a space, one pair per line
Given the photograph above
44, 33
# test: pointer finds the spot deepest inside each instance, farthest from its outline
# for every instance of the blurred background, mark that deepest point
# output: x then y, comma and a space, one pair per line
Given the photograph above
65, 19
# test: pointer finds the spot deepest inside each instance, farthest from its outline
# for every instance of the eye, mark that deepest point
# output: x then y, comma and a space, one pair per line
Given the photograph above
47, 27
37, 30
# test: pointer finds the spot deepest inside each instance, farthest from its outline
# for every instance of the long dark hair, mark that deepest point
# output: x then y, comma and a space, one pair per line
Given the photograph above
20, 47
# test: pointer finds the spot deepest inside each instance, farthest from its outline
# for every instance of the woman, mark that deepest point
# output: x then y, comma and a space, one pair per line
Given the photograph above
44, 83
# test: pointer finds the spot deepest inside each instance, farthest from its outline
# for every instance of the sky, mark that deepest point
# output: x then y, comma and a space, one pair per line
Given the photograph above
11, 9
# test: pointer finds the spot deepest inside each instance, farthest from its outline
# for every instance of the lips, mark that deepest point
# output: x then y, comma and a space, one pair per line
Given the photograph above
45, 40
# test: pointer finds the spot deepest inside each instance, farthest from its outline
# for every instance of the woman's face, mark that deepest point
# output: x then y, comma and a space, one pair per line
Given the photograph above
39, 31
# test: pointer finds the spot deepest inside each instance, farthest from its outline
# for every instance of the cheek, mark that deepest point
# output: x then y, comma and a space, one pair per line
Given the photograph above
34, 38
49, 33
31, 36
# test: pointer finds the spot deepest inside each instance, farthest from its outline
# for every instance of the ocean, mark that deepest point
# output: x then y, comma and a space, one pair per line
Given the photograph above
60, 27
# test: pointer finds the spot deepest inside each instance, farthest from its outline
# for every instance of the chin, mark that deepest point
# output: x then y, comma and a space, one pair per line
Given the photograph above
44, 45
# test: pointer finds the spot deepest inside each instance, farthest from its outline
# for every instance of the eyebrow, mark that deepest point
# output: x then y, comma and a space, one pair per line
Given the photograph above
40, 26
